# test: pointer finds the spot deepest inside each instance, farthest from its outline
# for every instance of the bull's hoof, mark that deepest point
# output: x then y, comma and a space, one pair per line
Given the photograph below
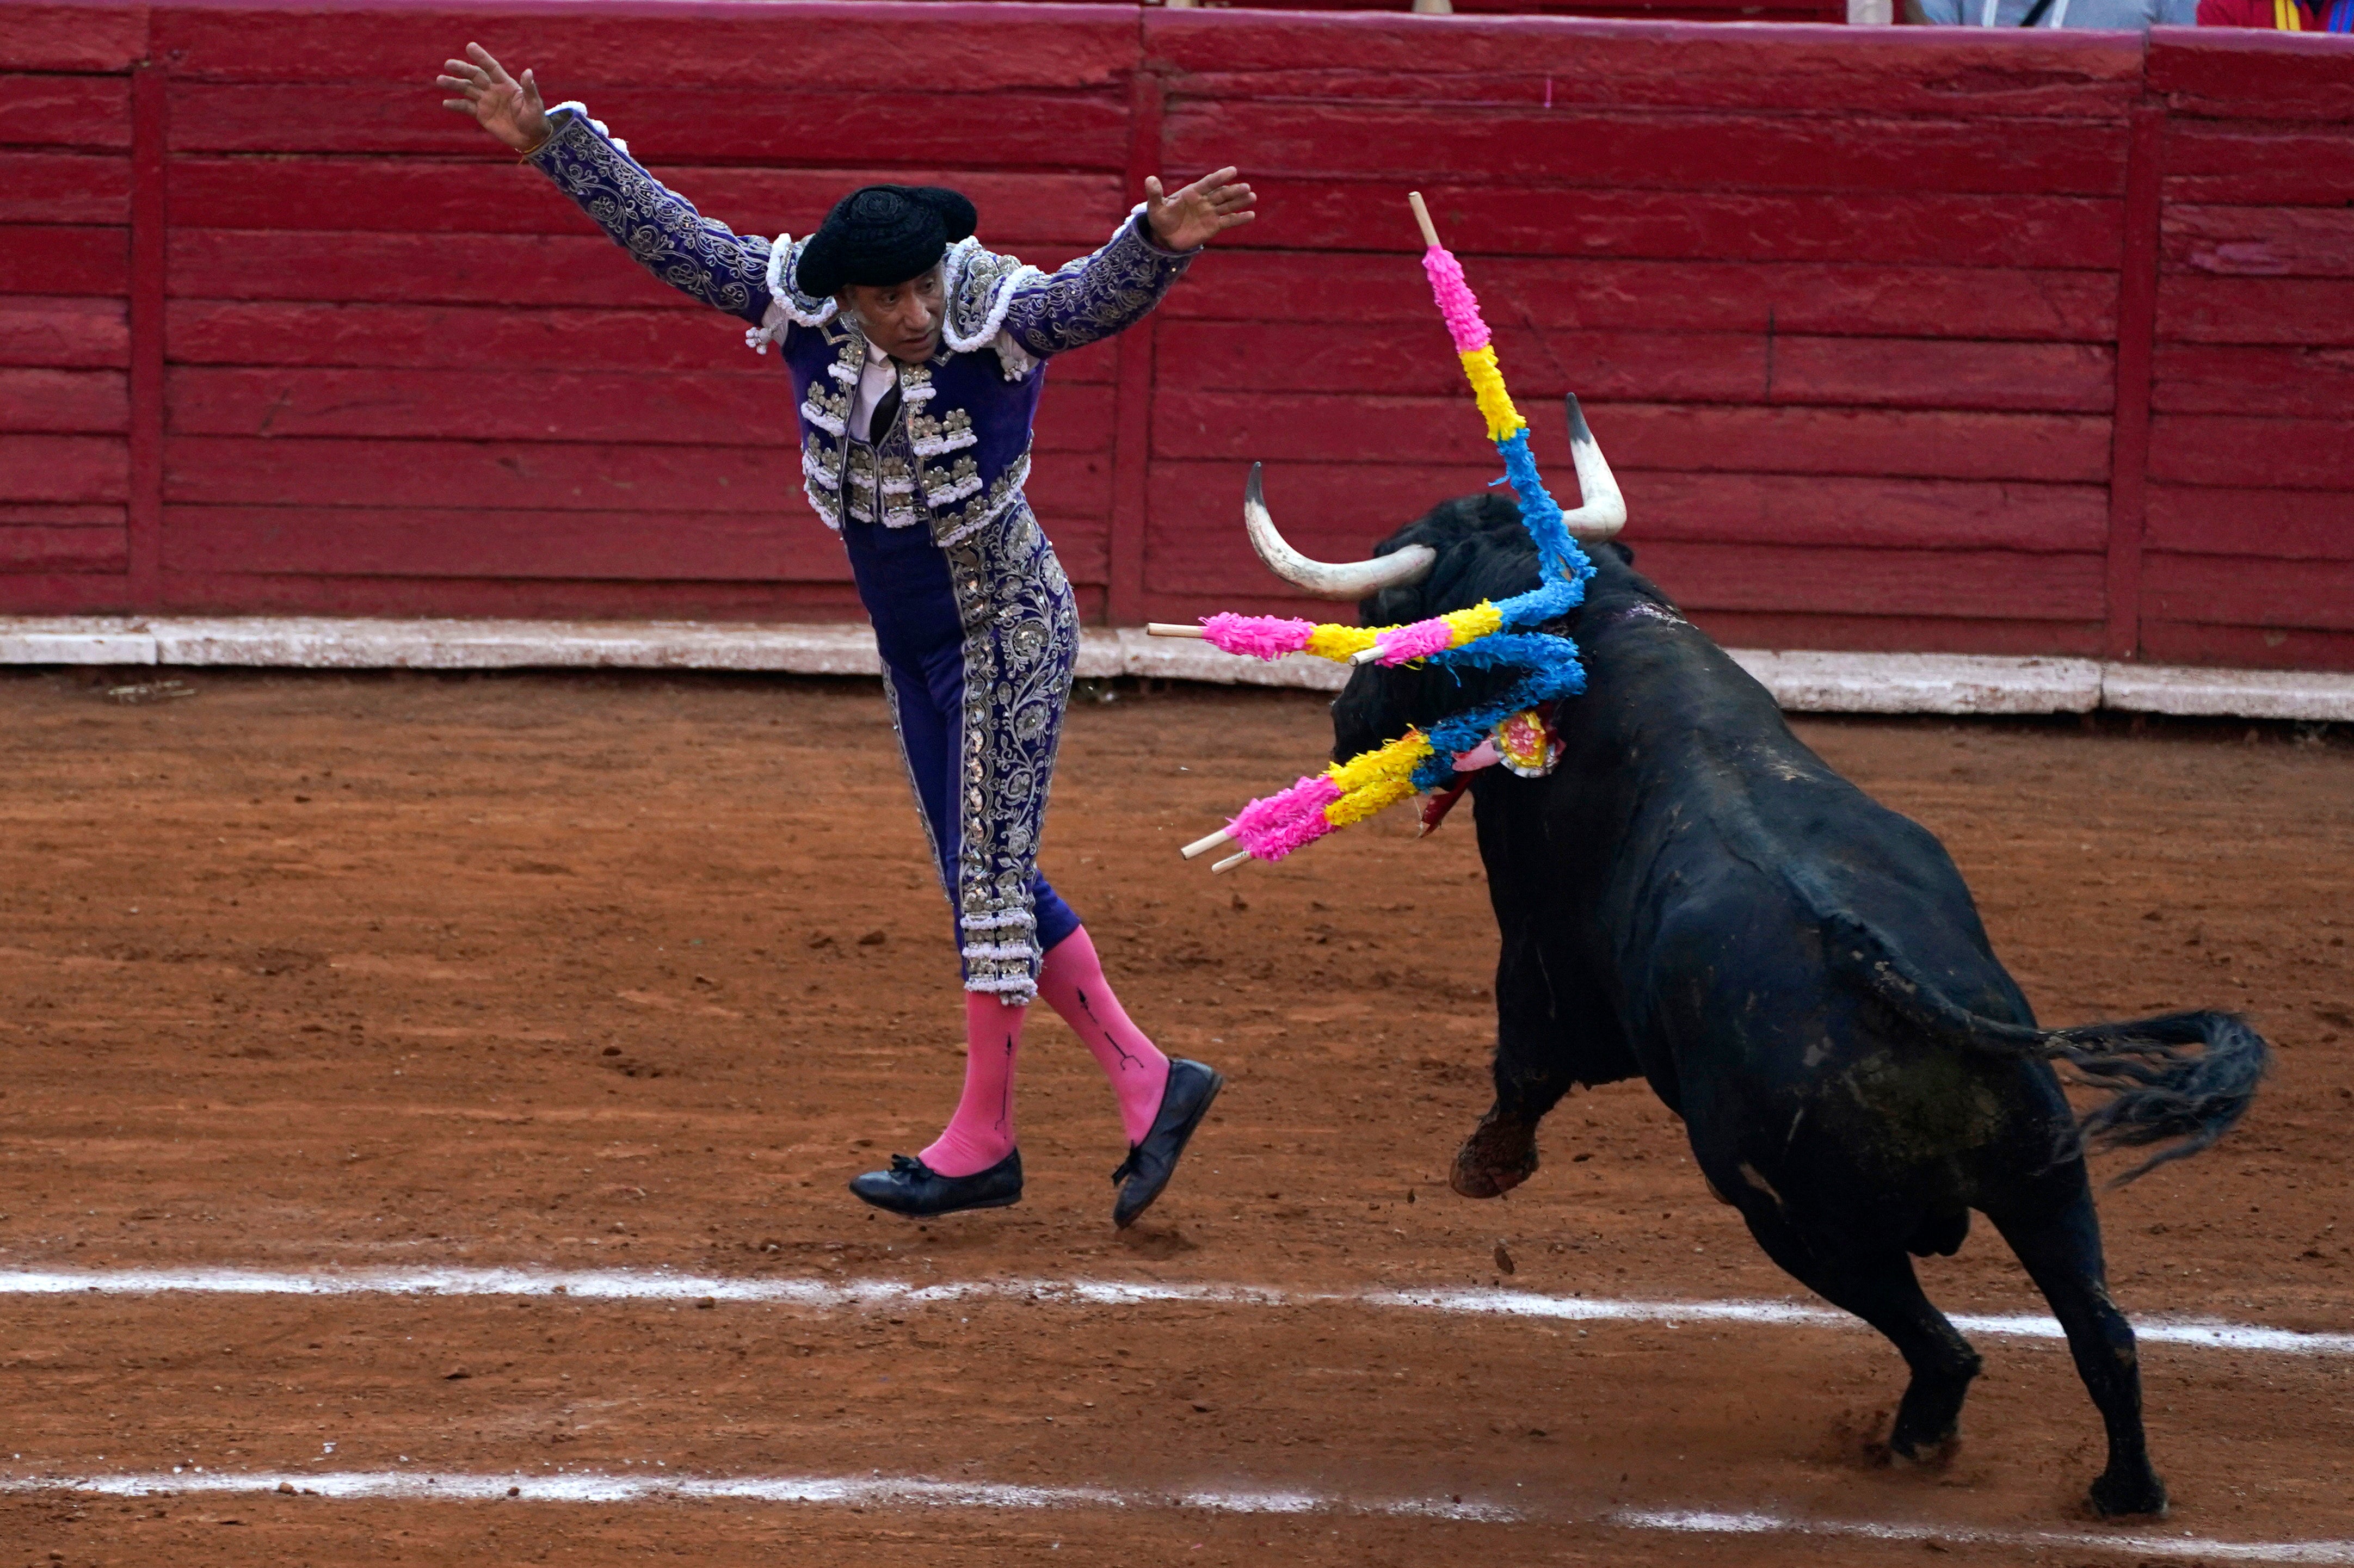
1929, 1417
1924, 1454
1500, 1154
2115, 1496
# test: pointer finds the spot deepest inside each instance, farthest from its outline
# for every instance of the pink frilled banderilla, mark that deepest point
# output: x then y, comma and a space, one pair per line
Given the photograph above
1510, 725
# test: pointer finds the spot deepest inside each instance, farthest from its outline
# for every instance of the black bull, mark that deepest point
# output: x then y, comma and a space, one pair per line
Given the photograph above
1799, 972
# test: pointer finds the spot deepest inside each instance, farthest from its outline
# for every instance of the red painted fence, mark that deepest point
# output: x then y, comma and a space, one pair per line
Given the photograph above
1898, 338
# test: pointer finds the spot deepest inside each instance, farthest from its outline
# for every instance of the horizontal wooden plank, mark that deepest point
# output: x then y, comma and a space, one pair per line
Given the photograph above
64, 258
2242, 74
2239, 590
1866, 512
745, 409
254, 593
2252, 453
1802, 579
482, 195
64, 330
48, 111
497, 475
376, 541
1903, 373
2202, 378
1343, 510
2244, 647
717, 123
229, 332
65, 593
72, 38
65, 187
2195, 309
417, 269
1416, 359
2274, 525
64, 402
32, 547
1904, 634
1829, 298
1988, 584
538, 476
855, 45
2259, 241
453, 337
1569, 147
1655, 367
1766, 226
1461, 59
1298, 427
61, 515
425, 269
784, 545
2259, 162
72, 468
742, 410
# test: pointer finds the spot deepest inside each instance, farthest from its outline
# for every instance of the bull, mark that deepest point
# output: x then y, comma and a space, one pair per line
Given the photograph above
1799, 973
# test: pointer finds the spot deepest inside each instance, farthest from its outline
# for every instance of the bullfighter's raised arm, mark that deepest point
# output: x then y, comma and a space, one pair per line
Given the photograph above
694, 254
1090, 298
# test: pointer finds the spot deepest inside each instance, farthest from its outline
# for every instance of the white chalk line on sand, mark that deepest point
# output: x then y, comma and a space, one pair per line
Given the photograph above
816, 1295
607, 1488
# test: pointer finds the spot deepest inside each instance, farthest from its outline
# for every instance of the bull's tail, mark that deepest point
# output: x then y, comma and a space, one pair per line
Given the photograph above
2182, 1079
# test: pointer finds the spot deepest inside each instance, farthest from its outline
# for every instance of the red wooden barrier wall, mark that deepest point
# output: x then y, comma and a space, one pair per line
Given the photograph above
1899, 338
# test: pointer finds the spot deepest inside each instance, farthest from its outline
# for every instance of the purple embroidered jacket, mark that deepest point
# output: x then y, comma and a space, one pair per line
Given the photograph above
960, 450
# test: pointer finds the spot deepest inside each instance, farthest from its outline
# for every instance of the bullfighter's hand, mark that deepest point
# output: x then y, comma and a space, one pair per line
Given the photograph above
1199, 213
507, 109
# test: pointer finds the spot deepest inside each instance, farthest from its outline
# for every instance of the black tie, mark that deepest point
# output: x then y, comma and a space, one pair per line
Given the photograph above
878, 424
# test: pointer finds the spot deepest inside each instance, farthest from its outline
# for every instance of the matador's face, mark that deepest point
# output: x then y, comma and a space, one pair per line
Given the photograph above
901, 318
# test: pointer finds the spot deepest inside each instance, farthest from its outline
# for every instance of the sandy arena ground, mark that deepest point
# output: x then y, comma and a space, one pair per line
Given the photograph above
310, 974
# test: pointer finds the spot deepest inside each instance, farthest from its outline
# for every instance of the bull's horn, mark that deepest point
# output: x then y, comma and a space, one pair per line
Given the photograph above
1601, 511
1325, 580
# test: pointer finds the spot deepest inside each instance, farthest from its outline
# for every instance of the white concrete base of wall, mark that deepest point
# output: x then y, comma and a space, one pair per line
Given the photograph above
1801, 682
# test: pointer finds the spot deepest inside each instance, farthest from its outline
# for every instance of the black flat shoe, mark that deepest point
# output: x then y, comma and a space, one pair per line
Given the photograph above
1149, 1164
914, 1189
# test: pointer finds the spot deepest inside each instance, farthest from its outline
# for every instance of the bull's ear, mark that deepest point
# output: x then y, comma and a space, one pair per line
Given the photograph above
1623, 552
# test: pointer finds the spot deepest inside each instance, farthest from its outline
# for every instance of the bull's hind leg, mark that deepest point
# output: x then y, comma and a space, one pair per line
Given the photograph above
1878, 1284
2059, 1241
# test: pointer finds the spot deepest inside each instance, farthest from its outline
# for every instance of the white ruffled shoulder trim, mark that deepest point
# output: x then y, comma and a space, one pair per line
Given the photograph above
991, 326
785, 300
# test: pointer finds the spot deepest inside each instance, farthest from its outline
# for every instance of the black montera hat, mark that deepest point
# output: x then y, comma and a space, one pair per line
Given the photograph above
880, 235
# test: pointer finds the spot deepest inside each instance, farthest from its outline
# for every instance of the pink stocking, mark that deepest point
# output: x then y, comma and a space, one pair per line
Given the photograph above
1072, 981
981, 1132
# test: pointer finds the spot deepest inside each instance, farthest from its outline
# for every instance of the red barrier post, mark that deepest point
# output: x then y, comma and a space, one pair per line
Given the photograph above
2136, 330
149, 244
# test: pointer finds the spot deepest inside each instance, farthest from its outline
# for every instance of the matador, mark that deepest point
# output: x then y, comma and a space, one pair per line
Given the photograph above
918, 358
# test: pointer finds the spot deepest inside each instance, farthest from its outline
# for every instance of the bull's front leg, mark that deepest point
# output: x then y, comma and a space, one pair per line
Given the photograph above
1532, 1071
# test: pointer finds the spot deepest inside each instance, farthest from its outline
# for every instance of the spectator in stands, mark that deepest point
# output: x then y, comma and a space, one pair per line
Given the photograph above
2284, 15
2111, 16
